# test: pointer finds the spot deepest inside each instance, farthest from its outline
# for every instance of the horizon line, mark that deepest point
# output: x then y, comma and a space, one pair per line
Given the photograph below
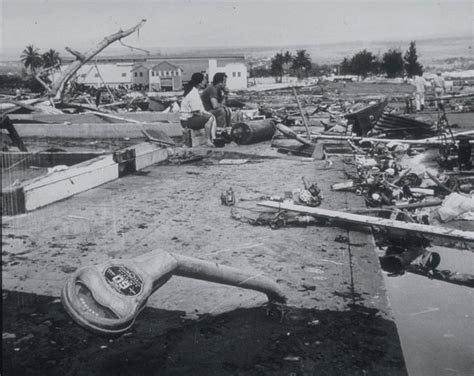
272, 46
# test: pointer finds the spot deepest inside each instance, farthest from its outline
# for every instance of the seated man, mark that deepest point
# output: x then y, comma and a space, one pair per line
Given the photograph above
192, 113
213, 99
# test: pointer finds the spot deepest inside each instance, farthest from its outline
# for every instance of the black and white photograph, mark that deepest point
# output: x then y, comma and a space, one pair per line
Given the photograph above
237, 187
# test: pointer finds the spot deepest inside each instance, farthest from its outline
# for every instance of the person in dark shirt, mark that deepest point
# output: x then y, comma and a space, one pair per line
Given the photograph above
213, 99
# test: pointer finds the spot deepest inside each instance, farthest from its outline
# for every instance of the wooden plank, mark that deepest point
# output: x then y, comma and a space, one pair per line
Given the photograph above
390, 208
373, 221
95, 130
91, 117
6, 107
424, 141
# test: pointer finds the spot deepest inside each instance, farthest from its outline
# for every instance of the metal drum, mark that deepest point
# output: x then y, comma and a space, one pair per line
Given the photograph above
253, 131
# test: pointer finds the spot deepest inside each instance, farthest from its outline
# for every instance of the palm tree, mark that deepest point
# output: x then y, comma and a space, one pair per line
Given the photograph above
277, 66
31, 58
287, 59
51, 59
301, 62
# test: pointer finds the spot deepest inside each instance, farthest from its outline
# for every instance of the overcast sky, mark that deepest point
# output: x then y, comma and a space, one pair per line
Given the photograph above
82, 24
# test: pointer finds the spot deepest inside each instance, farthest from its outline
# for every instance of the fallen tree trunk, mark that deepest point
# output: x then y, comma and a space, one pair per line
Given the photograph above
373, 221
58, 85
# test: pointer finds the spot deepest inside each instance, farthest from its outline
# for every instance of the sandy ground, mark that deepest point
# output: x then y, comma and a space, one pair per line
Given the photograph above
337, 320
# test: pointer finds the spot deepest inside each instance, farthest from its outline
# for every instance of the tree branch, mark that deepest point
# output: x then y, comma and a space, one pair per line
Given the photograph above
58, 85
77, 54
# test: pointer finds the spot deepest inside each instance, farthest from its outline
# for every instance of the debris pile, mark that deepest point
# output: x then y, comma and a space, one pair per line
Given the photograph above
309, 196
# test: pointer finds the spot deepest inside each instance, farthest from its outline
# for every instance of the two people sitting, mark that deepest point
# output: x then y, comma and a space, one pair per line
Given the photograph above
207, 110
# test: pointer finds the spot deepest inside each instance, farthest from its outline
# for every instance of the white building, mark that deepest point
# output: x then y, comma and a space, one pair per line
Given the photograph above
165, 76
110, 74
150, 70
236, 73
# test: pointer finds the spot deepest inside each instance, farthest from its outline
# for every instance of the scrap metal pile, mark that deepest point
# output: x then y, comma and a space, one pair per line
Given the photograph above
408, 168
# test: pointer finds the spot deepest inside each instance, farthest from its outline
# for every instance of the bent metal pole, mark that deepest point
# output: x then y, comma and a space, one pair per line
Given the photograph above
107, 298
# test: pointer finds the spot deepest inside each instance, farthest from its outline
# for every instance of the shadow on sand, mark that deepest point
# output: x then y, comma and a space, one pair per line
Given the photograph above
40, 339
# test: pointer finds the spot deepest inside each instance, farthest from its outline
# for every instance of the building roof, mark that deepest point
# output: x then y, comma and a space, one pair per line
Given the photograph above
146, 58
112, 73
164, 64
136, 66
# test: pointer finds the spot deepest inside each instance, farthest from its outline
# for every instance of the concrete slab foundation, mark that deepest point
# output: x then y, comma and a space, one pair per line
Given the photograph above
58, 185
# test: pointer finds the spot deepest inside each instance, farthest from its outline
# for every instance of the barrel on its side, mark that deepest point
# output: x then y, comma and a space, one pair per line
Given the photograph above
253, 131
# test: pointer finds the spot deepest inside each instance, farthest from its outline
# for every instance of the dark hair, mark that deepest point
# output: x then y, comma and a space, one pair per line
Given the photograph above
218, 78
196, 79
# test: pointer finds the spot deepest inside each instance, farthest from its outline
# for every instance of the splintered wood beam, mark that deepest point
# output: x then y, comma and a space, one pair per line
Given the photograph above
373, 221
58, 85
26, 106
95, 130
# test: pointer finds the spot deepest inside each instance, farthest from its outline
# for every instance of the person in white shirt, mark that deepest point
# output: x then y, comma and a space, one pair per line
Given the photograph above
420, 84
192, 113
439, 87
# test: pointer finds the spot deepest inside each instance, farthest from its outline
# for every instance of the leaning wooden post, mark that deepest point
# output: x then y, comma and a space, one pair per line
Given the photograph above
58, 85
302, 115
289, 133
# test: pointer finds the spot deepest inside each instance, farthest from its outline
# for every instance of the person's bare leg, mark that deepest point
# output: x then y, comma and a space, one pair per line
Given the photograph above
210, 128
213, 128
